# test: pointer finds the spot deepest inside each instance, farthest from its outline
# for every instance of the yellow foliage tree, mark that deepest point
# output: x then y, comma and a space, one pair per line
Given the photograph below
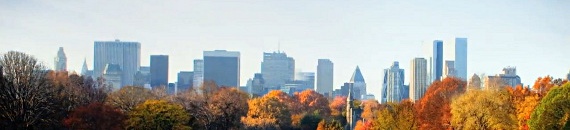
267, 113
483, 109
157, 115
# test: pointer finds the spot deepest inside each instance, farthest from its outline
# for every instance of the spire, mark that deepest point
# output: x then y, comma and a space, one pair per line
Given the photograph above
84, 70
357, 76
349, 97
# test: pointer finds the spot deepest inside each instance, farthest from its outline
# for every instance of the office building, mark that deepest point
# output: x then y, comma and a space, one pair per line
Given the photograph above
277, 69
158, 70
508, 77
435, 60
418, 78
185, 79
113, 76
325, 73
125, 54
307, 80
60, 60
198, 73
222, 67
255, 85
449, 69
358, 84
393, 84
456, 50
142, 77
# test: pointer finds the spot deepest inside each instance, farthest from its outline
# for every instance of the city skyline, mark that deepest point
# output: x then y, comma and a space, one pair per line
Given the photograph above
525, 35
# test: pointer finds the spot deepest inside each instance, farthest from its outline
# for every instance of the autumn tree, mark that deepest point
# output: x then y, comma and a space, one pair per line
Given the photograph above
26, 96
95, 116
312, 101
433, 110
542, 85
129, 97
338, 105
396, 116
524, 101
553, 111
330, 125
267, 113
157, 115
371, 109
363, 125
483, 109
228, 105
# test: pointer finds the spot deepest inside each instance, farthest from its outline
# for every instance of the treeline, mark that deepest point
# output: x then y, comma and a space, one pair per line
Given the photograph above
33, 98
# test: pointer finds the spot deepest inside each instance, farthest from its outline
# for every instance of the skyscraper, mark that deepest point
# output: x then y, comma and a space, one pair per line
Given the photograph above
393, 84
222, 67
456, 50
277, 69
198, 73
142, 77
307, 80
435, 60
85, 70
358, 83
185, 79
61, 60
418, 78
113, 76
325, 72
124, 54
257, 85
158, 70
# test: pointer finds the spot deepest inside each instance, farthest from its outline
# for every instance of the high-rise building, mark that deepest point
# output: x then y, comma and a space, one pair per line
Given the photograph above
358, 84
126, 54
61, 60
158, 70
85, 70
393, 84
418, 78
277, 69
185, 79
306, 80
142, 77
435, 60
256, 85
198, 73
449, 69
456, 50
222, 67
113, 76
325, 72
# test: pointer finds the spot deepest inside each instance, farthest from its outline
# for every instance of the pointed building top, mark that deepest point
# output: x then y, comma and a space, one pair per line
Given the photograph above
84, 69
357, 76
60, 53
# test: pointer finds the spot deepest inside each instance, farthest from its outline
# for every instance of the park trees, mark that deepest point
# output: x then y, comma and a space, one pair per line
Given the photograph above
95, 116
553, 111
433, 110
483, 109
157, 115
267, 113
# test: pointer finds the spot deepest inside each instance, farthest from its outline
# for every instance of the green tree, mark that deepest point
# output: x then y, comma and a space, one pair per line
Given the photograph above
157, 115
310, 121
483, 109
553, 111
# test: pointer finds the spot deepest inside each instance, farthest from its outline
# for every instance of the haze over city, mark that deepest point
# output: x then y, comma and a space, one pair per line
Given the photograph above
532, 36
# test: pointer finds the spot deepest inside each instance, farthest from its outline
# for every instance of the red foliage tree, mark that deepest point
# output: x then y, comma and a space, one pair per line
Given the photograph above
433, 110
95, 116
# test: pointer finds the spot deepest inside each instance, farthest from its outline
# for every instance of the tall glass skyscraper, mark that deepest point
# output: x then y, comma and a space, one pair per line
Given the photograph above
185, 79
198, 73
158, 70
222, 67
418, 78
393, 84
277, 69
358, 84
456, 50
61, 60
125, 54
435, 60
325, 72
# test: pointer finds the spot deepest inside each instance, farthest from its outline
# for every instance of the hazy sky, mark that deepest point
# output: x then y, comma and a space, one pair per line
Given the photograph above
534, 36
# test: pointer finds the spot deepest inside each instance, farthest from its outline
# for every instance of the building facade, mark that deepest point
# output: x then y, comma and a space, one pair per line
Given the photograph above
142, 77
277, 69
113, 76
185, 79
449, 69
222, 67
393, 84
358, 84
158, 70
435, 60
418, 78
60, 60
508, 77
325, 77
456, 50
125, 54
198, 73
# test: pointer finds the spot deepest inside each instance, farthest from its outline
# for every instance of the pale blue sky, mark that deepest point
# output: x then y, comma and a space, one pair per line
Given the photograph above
534, 36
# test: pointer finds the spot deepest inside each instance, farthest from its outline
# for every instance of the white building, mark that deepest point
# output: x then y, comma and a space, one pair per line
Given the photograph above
418, 78
449, 69
277, 69
125, 54
325, 72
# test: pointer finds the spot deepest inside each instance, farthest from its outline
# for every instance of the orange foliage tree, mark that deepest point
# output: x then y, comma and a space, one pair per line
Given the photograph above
338, 105
371, 109
312, 101
433, 110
